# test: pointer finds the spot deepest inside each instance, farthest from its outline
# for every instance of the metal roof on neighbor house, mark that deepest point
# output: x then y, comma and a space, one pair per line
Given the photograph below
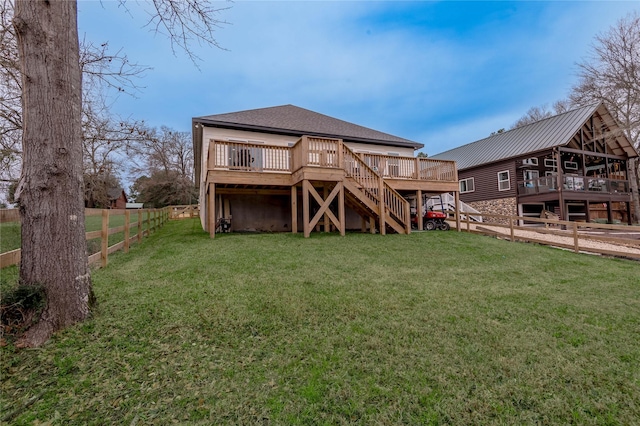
290, 119
539, 136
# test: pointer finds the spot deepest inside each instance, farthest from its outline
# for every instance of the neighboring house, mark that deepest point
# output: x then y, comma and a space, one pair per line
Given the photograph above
117, 198
286, 168
573, 164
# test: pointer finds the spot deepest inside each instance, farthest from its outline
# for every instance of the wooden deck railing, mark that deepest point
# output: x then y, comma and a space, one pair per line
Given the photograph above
574, 183
133, 224
375, 188
398, 167
368, 179
322, 152
249, 157
184, 212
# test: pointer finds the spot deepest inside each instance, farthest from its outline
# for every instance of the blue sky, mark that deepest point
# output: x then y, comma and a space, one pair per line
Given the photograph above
440, 73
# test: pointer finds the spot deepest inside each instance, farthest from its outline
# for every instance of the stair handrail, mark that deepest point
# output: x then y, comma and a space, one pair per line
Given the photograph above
371, 181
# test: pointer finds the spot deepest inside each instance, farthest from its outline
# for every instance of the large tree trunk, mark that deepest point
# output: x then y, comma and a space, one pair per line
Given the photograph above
51, 190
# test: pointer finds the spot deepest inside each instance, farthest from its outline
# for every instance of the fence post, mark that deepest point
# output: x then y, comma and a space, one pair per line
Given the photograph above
466, 219
575, 237
104, 252
148, 221
127, 221
139, 225
511, 228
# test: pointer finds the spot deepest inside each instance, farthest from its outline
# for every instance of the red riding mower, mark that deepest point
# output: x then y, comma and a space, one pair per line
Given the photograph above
431, 220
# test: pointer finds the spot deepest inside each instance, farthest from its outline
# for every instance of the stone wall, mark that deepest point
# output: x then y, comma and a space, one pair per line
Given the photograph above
504, 206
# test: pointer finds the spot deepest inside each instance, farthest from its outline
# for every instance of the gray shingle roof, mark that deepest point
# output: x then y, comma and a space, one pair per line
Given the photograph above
295, 120
539, 136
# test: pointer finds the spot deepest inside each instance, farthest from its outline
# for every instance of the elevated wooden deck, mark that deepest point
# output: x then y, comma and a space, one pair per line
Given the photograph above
369, 184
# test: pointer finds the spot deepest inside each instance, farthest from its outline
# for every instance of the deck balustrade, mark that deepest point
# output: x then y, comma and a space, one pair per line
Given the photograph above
574, 183
322, 152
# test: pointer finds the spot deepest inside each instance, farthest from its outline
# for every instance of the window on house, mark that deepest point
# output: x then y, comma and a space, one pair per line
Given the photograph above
530, 176
467, 185
550, 163
570, 165
504, 183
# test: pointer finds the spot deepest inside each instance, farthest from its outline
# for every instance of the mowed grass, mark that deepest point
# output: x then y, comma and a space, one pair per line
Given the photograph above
430, 328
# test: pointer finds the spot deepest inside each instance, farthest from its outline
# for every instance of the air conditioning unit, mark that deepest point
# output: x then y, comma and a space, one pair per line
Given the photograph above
530, 162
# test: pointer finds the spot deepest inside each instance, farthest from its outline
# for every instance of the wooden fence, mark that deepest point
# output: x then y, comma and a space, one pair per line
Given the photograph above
577, 232
184, 212
132, 224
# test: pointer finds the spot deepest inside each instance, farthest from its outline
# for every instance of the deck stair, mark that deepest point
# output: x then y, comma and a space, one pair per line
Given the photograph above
370, 196
447, 201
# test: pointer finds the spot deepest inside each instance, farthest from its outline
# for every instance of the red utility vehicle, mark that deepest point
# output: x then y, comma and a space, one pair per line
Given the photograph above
431, 220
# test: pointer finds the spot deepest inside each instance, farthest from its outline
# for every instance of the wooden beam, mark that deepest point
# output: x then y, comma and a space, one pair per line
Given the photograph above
325, 194
419, 212
324, 205
341, 212
458, 211
305, 208
294, 209
252, 191
383, 207
211, 210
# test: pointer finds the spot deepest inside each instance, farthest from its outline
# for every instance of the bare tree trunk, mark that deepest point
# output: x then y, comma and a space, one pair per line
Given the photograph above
50, 190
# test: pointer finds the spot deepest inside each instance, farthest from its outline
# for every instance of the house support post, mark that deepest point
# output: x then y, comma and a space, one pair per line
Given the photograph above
325, 218
294, 209
382, 205
341, 213
419, 212
609, 212
407, 214
305, 208
372, 225
629, 221
458, 211
211, 210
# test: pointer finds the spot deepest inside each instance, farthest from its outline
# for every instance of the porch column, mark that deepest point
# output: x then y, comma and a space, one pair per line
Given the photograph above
458, 211
294, 209
325, 218
341, 214
305, 208
211, 210
382, 205
419, 212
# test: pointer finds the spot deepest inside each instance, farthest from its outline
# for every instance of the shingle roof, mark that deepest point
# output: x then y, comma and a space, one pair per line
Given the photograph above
114, 193
295, 120
541, 135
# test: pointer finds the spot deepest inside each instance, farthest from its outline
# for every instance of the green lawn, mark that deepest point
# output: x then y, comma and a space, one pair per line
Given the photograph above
430, 328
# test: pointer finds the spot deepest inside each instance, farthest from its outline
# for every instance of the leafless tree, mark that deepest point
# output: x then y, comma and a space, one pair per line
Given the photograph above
611, 74
51, 189
532, 115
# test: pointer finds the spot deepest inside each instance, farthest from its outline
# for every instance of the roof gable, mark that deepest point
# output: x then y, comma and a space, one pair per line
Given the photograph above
539, 136
290, 119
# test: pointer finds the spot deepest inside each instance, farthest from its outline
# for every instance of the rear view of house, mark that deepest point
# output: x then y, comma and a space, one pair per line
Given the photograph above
288, 169
573, 165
